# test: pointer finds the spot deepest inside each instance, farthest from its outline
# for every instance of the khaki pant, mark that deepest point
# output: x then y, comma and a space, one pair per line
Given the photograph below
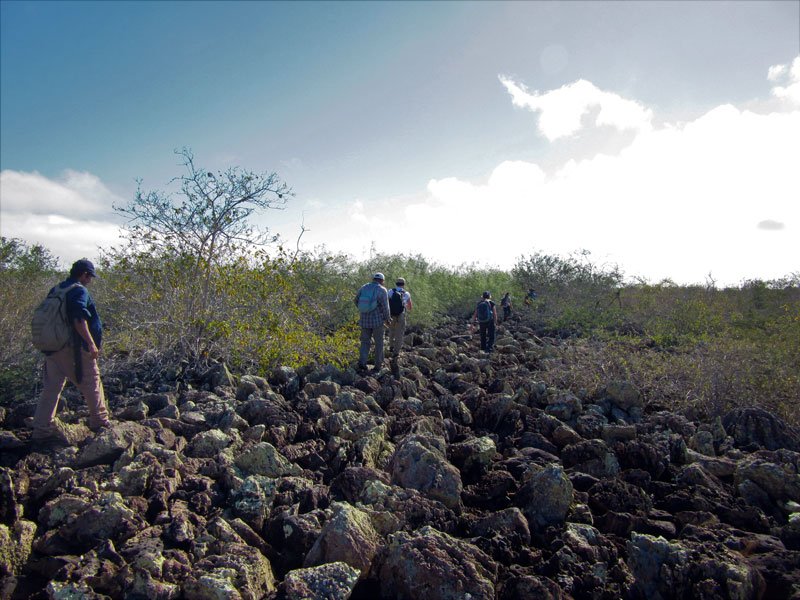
58, 367
368, 335
397, 330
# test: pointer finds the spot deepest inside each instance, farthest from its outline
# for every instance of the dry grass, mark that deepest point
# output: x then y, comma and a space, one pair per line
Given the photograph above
707, 379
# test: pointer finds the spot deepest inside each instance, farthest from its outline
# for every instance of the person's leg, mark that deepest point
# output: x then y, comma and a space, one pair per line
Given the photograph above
398, 331
483, 327
52, 383
490, 336
378, 335
363, 352
91, 387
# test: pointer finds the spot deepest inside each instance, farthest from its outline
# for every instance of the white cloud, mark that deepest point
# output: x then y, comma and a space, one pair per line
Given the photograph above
76, 193
70, 216
790, 78
718, 194
776, 72
561, 111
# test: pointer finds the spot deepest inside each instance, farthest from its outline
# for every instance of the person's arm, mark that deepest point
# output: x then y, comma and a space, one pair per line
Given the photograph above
82, 327
494, 312
409, 305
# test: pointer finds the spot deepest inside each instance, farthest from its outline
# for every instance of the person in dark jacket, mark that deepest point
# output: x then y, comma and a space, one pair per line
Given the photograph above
486, 316
77, 361
506, 304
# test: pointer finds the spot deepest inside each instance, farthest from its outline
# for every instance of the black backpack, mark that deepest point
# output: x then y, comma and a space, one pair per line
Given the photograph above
396, 304
485, 313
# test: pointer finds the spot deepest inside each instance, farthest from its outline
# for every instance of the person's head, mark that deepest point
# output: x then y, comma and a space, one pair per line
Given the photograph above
378, 278
83, 271
400, 282
487, 295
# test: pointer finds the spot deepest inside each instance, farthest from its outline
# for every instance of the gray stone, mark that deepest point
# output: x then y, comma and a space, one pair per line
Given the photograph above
264, 459
660, 567
419, 463
703, 442
546, 497
460, 570
207, 444
624, 395
238, 571
331, 581
16, 542
108, 445
348, 537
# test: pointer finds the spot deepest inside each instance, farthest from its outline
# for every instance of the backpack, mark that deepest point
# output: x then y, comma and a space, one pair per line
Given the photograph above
367, 303
396, 304
485, 312
50, 327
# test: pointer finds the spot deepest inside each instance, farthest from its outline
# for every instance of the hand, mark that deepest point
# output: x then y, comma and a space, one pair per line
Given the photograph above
94, 351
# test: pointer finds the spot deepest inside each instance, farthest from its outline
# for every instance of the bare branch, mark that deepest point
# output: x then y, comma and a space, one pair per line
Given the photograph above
302, 231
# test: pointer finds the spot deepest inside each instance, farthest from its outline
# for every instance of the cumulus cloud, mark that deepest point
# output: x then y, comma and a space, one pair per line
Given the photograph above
562, 111
789, 78
77, 193
679, 201
71, 215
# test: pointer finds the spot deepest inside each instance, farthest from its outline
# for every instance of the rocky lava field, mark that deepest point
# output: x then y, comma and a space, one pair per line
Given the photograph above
465, 478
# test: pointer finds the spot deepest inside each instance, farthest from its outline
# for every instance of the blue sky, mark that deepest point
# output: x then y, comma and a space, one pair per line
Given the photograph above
403, 125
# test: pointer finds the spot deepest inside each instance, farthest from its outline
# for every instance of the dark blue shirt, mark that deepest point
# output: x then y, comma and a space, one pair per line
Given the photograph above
80, 305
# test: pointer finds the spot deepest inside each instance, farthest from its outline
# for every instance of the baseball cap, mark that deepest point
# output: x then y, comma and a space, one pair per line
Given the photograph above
83, 266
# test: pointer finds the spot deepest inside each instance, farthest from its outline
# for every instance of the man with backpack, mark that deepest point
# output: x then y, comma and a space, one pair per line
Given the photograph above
506, 304
399, 305
486, 316
373, 307
75, 324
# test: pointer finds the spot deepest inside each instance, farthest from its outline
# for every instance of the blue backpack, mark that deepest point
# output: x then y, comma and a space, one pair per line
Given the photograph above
485, 312
366, 302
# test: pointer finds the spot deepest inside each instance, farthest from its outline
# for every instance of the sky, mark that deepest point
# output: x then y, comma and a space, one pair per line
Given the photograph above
662, 137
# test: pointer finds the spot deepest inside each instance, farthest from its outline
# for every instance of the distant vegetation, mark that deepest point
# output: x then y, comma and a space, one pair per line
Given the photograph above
201, 288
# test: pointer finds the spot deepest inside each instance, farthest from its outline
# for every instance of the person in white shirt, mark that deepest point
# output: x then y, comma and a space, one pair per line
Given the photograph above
399, 305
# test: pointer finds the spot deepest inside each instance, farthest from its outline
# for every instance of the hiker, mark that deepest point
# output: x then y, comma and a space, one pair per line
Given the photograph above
530, 297
77, 361
373, 306
399, 305
506, 304
486, 316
